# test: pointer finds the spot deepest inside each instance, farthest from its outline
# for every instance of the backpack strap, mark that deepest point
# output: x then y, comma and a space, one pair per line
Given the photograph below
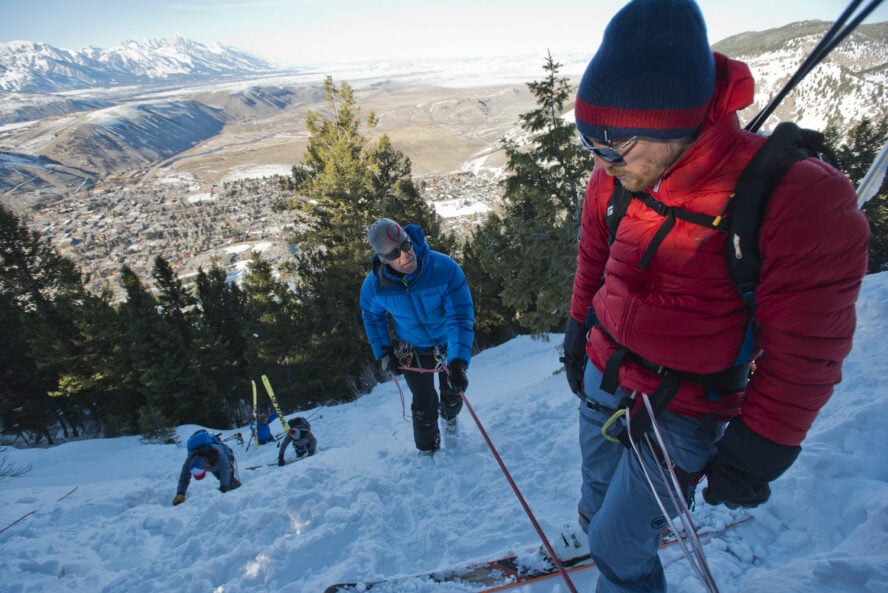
786, 145
619, 204
616, 209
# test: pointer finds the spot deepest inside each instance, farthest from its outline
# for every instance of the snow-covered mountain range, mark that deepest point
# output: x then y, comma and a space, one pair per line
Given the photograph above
69, 120
29, 67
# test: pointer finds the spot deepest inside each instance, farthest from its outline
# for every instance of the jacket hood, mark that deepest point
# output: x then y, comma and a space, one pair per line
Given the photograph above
734, 89
719, 137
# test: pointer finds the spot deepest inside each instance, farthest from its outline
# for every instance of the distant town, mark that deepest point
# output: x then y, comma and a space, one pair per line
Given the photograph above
192, 226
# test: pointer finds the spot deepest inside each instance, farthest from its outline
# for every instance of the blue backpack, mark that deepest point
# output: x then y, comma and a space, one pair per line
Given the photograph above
202, 438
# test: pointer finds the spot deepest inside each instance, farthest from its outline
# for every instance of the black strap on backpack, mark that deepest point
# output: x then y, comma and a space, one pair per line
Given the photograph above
787, 145
619, 204
740, 218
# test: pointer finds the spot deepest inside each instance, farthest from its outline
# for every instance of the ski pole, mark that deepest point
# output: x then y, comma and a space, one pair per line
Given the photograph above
872, 181
830, 40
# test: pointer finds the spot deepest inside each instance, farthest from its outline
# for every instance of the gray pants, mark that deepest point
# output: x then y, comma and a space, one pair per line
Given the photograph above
626, 523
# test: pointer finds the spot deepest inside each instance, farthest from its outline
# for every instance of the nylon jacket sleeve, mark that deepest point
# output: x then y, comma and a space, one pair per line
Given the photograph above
223, 466
283, 447
814, 255
185, 475
593, 249
460, 315
375, 318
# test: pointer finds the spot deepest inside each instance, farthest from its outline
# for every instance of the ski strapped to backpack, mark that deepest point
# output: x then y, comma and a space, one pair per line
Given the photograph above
274, 402
740, 220
255, 435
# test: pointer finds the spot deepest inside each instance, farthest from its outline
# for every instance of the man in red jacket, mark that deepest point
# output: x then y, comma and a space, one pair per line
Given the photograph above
658, 108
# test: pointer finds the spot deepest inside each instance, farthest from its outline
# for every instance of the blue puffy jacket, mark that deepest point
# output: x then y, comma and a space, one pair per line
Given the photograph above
430, 307
263, 429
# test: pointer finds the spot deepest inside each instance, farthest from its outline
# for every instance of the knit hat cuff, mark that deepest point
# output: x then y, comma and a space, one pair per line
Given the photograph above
666, 124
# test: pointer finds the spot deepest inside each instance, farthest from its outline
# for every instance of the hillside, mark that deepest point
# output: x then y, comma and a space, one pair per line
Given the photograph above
96, 516
444, 116
849, 85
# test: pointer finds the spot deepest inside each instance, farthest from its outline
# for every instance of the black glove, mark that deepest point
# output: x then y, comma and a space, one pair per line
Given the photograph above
281, 463
390, 363
233, 485
457, 377
574, 358
743, 465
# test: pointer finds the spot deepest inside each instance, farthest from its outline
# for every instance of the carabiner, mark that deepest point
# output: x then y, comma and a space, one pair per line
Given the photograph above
614, 417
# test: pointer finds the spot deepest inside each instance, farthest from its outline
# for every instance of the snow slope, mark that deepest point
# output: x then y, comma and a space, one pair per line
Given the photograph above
367, 506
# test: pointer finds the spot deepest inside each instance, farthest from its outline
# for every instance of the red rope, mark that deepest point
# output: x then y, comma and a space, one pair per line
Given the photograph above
499, 460
524, 504
403, 405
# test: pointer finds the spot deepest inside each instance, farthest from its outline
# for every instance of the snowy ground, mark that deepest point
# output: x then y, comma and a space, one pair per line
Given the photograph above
95, 516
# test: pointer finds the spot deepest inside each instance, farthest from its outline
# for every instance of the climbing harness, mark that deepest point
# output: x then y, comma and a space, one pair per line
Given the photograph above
406, 354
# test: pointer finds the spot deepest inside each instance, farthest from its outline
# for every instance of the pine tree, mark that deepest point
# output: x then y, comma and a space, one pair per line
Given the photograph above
349, 185
855, 156
495, 322
42, 291
164, 358
533, 246
275, 339
221, 338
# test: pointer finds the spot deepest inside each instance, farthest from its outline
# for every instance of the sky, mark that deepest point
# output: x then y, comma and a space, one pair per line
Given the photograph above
316, 32
95, 516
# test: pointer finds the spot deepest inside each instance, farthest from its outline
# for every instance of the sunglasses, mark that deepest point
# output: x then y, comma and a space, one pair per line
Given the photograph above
406, 245
609, 154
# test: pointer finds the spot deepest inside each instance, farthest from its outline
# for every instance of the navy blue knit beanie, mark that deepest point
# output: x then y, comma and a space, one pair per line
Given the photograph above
652, 76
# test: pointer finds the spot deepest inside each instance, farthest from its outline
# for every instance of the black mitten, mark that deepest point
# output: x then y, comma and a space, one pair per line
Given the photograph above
574, 358
744, 464
459, 380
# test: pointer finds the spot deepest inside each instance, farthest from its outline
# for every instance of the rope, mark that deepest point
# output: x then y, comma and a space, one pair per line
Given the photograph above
442, 367
690, 547
518, 494
403, 404
26, 515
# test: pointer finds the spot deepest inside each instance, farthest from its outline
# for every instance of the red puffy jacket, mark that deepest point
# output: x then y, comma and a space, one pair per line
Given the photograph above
684, 312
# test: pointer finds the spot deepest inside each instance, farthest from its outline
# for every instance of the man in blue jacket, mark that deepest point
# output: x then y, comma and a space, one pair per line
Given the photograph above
263, 428
426, 295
